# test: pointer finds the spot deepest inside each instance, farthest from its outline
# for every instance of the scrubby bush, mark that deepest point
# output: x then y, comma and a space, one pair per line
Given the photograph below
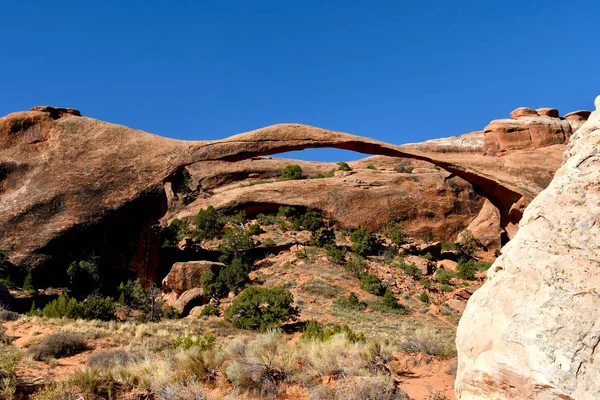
174, 233
147, 300
58, 345
395, 233
389, 304
201, 343
335, 254
210, 311
220, 281
171, 313
444, 276
286, 211
350, 303
356, 265
371, 166
364, 243
254, 230
6, 315
311, 221
410, 269
238, 218
291, 172
209, 223
322, 238
468, 247
424, 297
404, 168
467, 270
111, 358
9, 362
93, 307
372, 284
342, 166
261, 308
83, 278
448, 246
314, 330
235, 242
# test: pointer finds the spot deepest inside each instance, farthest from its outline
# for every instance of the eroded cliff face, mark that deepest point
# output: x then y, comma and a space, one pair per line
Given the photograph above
532, 331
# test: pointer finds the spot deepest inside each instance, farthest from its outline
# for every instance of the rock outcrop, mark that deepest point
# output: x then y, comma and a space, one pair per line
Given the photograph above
532, 331
184, 276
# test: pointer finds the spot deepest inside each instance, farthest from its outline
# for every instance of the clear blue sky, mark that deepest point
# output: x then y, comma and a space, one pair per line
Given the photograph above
398, 71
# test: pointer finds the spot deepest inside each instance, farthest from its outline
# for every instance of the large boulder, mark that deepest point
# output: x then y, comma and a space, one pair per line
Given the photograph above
486, 227
532, 330
188, 300
187, 275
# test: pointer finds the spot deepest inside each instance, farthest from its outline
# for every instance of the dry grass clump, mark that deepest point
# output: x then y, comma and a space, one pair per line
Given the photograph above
9, 361
182, 390
111, 358
58, 345
261, 364
427, 341
6, 315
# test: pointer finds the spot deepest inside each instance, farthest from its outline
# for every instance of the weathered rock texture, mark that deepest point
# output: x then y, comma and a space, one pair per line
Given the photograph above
184, 276
427, 202
533, 330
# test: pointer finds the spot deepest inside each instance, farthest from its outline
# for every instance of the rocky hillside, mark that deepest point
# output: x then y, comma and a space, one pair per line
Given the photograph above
532, 330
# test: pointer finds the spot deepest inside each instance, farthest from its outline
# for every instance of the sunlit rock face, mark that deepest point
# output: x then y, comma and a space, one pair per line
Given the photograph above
532, 331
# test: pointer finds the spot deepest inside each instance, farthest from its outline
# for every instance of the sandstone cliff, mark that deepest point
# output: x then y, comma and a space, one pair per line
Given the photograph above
532, 331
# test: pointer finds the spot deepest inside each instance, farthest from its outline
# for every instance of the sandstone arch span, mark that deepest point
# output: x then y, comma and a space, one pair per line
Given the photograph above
71, 186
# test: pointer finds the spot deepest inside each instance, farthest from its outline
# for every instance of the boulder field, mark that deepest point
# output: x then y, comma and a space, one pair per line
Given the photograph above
532, 330
72, 187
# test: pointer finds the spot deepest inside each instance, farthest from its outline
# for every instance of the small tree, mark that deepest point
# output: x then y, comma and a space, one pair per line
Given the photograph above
364, 243
291, 172
209, 223
28, 283
372, 284
261, 308
84, 278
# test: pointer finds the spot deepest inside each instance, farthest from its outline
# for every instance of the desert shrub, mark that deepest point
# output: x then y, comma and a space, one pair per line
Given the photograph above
175, 232
259, 365
147, 300
364, 243
186, 342
268, 242
446, 288
443, 276
83, 278
448, 246
342, 166
427, 283
235, 242
311, 221
404, 168
210, 311
238, 218
380, 387
291, 172
350, 303
209, 223
314, 330
261, 308
429, 342
6, 315
93, 307
286, 211
371, 166
410, 269
468, 247
356, 265
424, 297
254, 229
58, 345
335, 254
372, 284
180, 390
111, 358
388, 304
9, 362
268, 219
395, 233
323, 237
318, 288
467, 270
171, 313
222, 280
